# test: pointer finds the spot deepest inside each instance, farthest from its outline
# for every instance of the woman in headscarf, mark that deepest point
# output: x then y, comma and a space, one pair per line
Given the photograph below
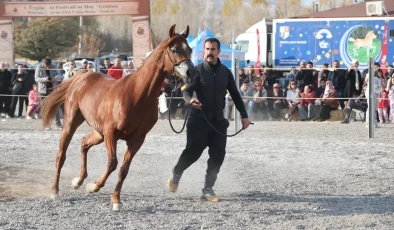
329, 101
354, 84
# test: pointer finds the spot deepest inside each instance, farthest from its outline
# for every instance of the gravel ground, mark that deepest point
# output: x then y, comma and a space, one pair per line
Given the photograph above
277, 175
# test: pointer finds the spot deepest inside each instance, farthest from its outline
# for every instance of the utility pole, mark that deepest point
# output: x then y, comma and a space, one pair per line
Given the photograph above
80, 36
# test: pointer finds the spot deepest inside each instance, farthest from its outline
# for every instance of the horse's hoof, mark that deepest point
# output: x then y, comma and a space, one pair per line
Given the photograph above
116, 207
54, 196
91, 187
74, 183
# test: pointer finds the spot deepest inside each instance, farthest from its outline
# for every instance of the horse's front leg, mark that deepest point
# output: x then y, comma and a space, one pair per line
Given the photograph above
132, 148
110, 144
93, 138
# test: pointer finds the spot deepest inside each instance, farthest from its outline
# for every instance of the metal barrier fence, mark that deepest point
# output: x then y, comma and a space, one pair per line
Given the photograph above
235, 71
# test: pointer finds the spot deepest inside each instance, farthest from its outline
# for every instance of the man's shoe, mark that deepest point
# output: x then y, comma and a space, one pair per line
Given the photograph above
345, 121
209, 194
174, 181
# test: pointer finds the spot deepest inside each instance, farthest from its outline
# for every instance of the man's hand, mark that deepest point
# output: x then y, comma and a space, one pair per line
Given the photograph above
245, 123
195, 103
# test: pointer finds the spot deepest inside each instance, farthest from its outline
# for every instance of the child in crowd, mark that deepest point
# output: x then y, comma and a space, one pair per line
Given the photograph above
34, 101
391, 96
383, 106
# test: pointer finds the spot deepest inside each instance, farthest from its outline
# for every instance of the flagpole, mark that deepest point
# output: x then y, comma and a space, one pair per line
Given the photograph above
236, 115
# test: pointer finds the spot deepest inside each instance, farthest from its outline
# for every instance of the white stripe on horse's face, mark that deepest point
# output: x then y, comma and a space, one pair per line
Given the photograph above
184, 46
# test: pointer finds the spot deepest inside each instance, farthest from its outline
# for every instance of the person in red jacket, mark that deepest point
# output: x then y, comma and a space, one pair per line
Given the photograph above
307, 103
383, 106
116, 71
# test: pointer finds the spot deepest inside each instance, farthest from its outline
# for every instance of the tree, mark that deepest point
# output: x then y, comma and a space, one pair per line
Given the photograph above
91, 45
230, 6
45, 37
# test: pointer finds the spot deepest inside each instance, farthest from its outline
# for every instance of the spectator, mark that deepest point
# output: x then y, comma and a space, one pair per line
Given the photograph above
307, 103
323, 74
116, 71
34, 101
391, 95
337, 76
5, 88
329, 101
70, 72
293, 99
129, 70
107, 66
247, 97
17, 82
259, 98
383, 105
319, 94
354, 82
46, 76
292, 76
275, 102
304, 76
359, 103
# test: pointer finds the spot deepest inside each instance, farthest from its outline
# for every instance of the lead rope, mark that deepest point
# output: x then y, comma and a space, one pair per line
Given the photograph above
206, 119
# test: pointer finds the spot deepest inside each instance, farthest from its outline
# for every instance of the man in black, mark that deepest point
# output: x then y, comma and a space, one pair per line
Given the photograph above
210, 88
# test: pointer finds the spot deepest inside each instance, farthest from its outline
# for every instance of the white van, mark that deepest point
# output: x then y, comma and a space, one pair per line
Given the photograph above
247, 42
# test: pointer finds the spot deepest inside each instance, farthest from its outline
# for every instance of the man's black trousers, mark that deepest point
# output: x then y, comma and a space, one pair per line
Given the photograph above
199, 136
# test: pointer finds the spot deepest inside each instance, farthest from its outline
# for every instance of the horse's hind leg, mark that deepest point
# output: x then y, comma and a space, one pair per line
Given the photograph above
93, 138
110, 144
132, 148
68, 131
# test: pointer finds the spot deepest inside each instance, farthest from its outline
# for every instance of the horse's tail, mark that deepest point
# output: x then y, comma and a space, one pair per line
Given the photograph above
351, 40
52, 102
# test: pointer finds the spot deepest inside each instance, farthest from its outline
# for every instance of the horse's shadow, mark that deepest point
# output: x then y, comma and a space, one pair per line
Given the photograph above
324, 204
259, 202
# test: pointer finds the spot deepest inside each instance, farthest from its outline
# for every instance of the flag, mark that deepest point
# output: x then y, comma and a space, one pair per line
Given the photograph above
195, 50
258, 65
384, 49
203, 41
232, 54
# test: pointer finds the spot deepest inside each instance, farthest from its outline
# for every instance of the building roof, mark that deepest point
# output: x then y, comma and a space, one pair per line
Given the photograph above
354, 10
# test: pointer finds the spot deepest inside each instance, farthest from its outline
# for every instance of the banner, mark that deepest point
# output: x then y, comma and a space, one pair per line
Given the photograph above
384, 49
258, 65
140, 37
7, 42
72, 8
203, 44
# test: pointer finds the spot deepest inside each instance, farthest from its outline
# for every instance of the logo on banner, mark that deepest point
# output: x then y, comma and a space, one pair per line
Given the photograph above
4, 35
284, 31
141, 31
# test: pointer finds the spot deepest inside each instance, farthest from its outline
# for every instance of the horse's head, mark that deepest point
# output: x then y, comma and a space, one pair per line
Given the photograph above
370, 35
178, 55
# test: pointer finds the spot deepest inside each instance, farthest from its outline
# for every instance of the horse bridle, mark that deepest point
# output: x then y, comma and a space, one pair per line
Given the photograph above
176, 64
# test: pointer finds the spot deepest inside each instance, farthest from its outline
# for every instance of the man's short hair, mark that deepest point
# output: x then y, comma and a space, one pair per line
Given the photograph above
376, 64
325, 64
46, 61
211, 40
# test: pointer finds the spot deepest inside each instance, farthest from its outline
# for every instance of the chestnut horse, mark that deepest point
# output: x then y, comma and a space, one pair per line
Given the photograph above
124, 109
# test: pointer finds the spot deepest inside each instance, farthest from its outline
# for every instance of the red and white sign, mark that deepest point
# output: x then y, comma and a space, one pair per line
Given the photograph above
58, 9
258, 64
6, 42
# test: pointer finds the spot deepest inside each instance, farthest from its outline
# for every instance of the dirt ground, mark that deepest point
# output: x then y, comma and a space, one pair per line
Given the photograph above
276, 175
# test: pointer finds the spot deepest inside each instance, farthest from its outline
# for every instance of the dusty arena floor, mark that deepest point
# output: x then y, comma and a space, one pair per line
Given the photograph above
277, 175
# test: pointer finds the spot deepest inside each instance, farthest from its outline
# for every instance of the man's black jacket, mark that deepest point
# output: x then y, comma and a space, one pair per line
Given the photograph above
210, 87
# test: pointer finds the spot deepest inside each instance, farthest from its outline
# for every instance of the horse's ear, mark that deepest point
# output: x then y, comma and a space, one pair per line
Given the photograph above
172, 30
185, 33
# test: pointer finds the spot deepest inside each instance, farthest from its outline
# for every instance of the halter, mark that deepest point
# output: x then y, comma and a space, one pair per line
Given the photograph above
173, 63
